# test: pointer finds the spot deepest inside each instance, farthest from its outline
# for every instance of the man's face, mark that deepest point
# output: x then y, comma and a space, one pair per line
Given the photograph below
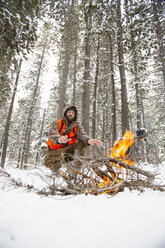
70, 115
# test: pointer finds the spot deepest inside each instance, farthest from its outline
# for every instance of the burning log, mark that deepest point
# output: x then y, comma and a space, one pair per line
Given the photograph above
127, 166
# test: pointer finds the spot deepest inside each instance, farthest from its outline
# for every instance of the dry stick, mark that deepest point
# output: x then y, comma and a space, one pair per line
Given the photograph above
116, 161
134, 168
101, 173
141, 183
85, 176
72, 186
125, 165
15, 182
102, 190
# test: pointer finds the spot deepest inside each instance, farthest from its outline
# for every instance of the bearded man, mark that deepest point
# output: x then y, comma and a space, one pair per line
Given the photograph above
66, 136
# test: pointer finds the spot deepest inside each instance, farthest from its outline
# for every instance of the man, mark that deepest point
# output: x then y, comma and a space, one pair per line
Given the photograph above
66, 136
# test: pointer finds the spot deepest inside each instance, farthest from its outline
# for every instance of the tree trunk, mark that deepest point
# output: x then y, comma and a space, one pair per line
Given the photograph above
2, 141
138, 104
103, 125
40, 138
75, 72
95, 91
160, 37
139, 148
113, 108
19, 157
124, 103
63, 83
5, 145
107, 138
86, 88
28, 131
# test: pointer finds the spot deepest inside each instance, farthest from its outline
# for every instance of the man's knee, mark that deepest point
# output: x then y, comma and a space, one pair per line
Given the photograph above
53, 160
81, 148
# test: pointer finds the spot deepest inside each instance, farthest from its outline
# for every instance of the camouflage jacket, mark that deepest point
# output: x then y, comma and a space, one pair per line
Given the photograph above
54, 132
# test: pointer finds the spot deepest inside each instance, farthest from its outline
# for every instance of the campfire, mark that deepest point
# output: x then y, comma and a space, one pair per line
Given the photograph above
119, 151
109, 174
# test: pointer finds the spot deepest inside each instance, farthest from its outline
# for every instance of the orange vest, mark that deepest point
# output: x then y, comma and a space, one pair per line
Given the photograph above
72, 133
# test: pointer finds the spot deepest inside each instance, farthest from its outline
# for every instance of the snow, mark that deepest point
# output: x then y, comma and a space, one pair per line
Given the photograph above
127, 220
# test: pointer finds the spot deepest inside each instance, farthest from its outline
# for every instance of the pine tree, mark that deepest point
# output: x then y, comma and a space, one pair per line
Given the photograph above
7, 127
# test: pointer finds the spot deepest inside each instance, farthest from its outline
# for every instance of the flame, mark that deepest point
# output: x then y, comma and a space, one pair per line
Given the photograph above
120, 150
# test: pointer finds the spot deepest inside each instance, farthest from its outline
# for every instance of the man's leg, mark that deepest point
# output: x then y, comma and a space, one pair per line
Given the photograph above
80, 148
53, 160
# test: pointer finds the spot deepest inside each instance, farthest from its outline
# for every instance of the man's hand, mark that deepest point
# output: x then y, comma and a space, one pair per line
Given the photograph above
94, 141
63, 139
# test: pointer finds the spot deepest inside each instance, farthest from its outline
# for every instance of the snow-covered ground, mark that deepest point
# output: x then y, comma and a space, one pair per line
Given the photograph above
127, 220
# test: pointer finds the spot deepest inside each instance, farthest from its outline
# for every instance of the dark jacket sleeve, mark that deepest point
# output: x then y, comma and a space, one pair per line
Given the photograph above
81, 134
53, 132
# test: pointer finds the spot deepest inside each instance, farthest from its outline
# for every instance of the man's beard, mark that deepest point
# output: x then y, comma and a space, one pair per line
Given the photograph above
70, 119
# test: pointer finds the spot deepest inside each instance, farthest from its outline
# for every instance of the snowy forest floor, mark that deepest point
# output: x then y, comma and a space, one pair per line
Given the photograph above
129, 219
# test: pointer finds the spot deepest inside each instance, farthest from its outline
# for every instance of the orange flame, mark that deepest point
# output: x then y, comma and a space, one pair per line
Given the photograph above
120, 148
119, 151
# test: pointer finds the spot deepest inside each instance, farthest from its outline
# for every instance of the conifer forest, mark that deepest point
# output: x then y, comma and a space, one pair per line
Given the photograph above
106, 57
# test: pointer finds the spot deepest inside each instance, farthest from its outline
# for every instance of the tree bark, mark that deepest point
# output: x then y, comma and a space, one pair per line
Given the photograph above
160, 35
19, 157
124, 103
63, 83
113, 108
95, 90
2, 141
26, 147
75, 72
7, 127
138, 103
86, 79
40, 138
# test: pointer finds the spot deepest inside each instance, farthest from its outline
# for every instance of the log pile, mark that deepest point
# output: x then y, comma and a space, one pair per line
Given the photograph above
102, 175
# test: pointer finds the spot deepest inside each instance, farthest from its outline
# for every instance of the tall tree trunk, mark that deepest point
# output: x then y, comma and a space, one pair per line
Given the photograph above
86, 88
95, 90
135, 68
143, 124
113, 108
160, 37
103, 125
5, 145
75, 72
63, 83
4, 80
106, 138
40, 138
26, 148
142, 108
138, 104
19, 157
124, 103
2, 141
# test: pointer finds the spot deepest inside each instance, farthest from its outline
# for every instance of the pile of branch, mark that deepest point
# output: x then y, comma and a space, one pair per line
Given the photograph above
102, 175
96, 176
